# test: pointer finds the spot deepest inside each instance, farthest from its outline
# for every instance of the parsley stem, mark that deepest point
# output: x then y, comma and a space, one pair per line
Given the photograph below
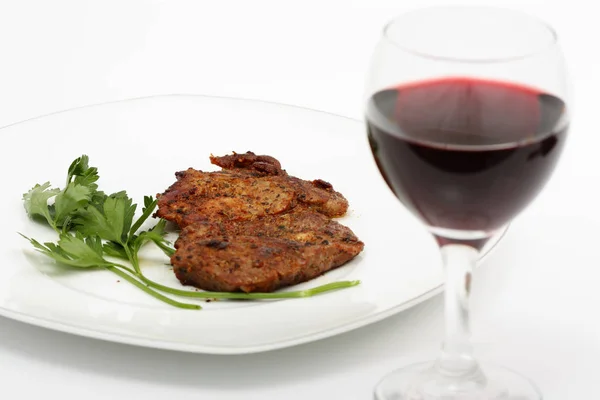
251, 296
123, 267
133, 259
151, 292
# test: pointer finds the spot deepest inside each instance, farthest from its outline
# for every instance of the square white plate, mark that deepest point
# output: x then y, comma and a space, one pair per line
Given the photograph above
137, 146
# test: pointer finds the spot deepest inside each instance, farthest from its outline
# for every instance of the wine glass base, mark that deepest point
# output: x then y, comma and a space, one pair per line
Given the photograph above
423, 382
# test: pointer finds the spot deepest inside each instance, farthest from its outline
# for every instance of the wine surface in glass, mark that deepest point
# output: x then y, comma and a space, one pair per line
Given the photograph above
464, 153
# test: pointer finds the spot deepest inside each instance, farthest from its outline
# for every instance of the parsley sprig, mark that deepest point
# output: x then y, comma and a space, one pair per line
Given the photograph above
94, 229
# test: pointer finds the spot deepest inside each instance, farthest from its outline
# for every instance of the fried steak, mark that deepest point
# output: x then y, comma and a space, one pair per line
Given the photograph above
262, 255
253, 228
248, 187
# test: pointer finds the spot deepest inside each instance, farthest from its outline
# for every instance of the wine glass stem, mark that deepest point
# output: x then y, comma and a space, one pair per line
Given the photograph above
456, 358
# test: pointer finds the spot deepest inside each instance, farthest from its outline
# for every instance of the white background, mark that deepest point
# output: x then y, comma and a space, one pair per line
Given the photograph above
536, 300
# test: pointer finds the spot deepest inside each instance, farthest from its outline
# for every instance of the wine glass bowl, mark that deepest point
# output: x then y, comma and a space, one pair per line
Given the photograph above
467, 116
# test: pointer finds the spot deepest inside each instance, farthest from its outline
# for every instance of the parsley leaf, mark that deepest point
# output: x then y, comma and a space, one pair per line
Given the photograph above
74, 250
111, 219
84, 174
113, 249
156, 235
36, 201
149, 206
68, 201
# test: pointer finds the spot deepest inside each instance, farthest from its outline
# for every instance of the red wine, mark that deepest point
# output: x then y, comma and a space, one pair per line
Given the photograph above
466, 154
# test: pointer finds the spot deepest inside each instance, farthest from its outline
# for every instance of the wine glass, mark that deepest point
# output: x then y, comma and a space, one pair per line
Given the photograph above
466, 117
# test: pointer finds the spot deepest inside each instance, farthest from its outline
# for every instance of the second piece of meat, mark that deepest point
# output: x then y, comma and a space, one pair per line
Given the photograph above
264, 254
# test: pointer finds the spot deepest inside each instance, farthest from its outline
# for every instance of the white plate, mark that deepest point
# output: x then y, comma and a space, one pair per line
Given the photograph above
138, 145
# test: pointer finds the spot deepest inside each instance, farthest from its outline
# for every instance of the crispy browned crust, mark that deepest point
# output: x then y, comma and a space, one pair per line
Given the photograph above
249, 162
251, 187
262, 255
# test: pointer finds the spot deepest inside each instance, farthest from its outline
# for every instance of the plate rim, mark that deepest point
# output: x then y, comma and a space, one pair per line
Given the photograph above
123, 338
153, 96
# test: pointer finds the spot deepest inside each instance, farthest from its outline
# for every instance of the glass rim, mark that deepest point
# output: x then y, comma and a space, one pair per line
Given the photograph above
553, 36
